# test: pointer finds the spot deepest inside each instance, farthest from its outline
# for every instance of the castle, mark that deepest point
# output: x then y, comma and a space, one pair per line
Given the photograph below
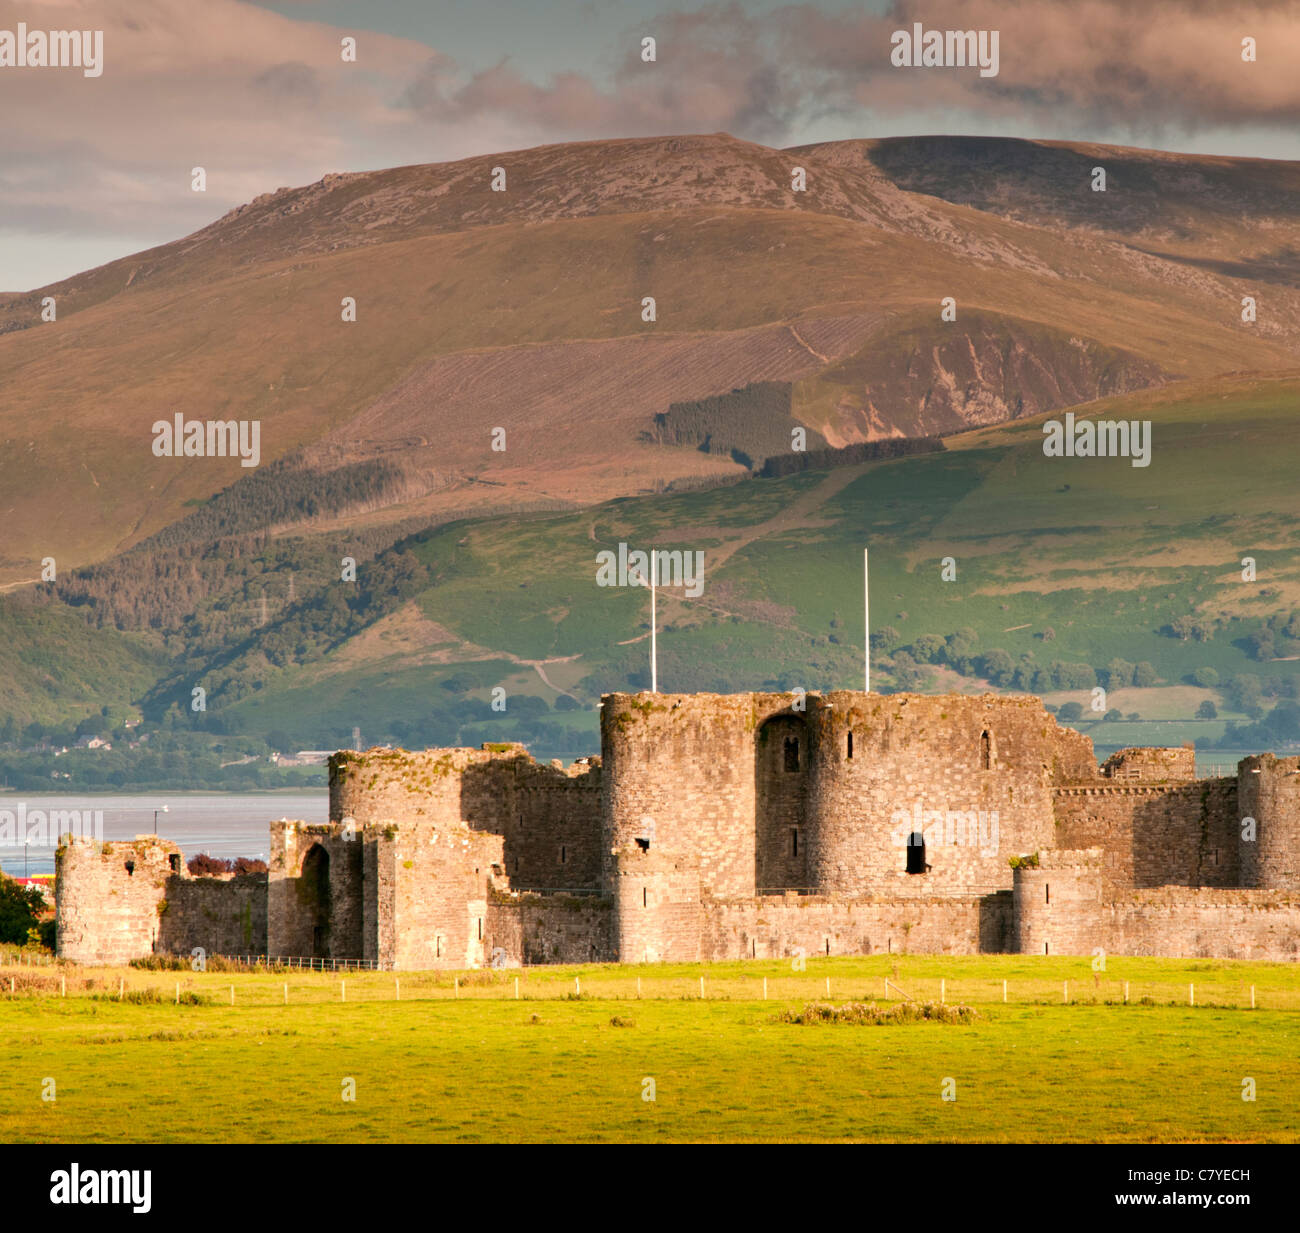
747, 825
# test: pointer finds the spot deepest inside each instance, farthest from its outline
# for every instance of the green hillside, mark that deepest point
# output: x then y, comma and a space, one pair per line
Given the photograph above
1070, 573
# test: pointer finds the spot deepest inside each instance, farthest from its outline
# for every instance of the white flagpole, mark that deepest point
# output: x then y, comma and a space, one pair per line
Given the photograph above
654, 638
866, 615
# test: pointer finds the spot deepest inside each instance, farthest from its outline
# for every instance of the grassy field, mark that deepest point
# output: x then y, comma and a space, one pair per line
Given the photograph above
460, 1057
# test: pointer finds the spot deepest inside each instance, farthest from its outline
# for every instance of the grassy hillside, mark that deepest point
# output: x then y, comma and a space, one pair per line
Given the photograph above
1062, 567
1082, 561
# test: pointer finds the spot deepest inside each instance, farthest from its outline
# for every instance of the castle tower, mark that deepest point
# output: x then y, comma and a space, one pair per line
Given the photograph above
1268, 790
912, 794
657, 915
111, 897
678, 777
1057, 904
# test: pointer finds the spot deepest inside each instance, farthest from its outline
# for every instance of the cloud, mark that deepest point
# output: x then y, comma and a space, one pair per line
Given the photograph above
1110, 64
261, 99
714, 72
255, 98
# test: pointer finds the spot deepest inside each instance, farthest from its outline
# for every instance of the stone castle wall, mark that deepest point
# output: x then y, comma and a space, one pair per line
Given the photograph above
1270, 794
824, 799
109, 897
531, 928
124, 900
783, 926
1151, 834
547, 816
431, 890
316, 910
752, 825
225, 915
915, 761
1061, 909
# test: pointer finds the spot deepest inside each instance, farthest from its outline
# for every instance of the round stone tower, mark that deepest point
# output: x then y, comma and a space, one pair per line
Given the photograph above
1268, 790
1057, 903
925, 795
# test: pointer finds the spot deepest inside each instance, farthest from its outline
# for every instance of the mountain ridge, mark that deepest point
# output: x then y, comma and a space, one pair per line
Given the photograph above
523, 310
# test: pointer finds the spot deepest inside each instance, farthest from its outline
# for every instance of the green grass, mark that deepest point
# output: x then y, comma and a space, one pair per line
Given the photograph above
475, 1064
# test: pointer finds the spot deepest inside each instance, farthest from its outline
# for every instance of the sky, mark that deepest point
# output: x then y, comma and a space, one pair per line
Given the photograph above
258, 94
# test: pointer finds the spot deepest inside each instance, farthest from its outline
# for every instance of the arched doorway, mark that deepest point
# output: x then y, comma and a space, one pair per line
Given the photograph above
781, 761
314, 899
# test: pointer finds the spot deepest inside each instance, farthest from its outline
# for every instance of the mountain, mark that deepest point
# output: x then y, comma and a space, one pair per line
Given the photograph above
522, 310
1062, 570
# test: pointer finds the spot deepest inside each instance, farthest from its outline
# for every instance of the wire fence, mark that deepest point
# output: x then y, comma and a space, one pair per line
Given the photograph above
265, 987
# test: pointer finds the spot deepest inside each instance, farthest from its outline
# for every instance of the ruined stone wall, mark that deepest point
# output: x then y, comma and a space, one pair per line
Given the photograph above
1270, 793
1060, 909
130, 899
554, 838
225, 915
531, 928
315, 916
1210, 923
548, 816
1073, 759
110, 897
1152, 764
782, 926
431, 889
1151, 834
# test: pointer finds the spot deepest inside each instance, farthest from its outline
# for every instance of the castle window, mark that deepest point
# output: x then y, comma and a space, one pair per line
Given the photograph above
174, 860
563, 856
130, 868
643, 844
916, 852
986, 751
791, 753
1047, 886
437, 946
645, 897
794, 841
480, 928
850, 746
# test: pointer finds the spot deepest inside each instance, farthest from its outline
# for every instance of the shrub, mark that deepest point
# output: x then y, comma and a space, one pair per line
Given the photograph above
871, 1014
20, 911
161, 963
